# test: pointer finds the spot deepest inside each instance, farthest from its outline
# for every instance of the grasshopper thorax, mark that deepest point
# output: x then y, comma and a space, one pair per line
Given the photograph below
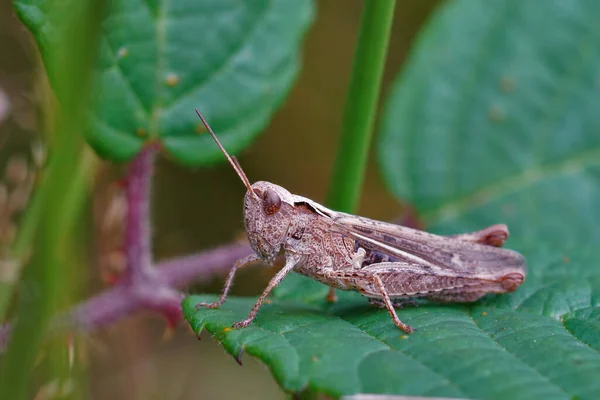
268, 212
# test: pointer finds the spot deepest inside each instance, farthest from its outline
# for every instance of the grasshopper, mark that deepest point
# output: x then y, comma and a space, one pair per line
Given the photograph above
386, 263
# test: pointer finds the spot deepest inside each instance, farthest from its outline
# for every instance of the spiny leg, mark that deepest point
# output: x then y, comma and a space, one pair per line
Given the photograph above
376, 280
244, 262
389, 305
289, 265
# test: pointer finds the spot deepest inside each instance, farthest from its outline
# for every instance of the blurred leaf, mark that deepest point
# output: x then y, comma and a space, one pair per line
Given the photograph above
234, 60
495, 119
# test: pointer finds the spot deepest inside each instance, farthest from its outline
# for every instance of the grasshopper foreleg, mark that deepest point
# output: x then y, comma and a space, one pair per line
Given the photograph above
290, 263
244, 262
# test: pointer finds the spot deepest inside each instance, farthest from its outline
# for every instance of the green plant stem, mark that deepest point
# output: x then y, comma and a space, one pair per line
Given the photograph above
25, 236
361, 105
19, 251
42, 277
45, 276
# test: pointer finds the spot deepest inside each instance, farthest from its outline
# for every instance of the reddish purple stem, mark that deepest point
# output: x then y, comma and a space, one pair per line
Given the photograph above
137, 225
202, 266
159, 295
143, 286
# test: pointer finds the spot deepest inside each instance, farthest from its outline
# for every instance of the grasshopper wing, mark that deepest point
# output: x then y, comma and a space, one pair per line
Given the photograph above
442, 253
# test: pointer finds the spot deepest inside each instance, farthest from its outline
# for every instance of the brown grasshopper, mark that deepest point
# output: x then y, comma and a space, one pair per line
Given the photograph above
382, 261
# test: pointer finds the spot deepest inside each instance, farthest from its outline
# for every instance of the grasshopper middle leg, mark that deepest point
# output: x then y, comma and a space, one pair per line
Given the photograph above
493, 235
291, 261
371, 282
390, 305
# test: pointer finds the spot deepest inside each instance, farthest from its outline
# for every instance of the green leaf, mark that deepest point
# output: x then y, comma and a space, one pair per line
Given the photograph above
494, 119
158, 60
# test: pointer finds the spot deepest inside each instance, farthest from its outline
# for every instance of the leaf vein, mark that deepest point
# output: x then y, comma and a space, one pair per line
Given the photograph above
223, 67
569, 165
160, 61
496, 28
517, 358
426, 366
588, 49
562, 322
117, 67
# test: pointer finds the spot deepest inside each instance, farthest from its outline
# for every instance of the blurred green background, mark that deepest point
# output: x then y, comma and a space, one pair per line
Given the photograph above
197, 209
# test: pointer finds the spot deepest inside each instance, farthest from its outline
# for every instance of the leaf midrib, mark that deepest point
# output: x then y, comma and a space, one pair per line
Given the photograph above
427, 366
160, 61
227, 62
516, 356
202, 324
458, 206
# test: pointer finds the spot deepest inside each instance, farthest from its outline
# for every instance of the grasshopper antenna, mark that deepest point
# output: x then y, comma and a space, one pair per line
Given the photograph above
232, 160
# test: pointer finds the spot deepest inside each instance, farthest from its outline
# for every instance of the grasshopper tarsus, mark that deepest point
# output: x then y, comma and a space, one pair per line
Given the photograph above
405, 327
331, 296
289, 265
396, 305
242, 324
215, 304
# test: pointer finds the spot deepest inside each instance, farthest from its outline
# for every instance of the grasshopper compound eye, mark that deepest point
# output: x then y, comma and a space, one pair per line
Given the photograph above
271, 202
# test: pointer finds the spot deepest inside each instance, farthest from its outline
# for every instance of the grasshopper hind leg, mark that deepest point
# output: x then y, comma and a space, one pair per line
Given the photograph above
465, 297
493, 235
395, 303
373, 280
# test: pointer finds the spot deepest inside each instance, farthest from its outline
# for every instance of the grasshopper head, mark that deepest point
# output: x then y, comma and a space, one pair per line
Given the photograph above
268, 209
267, 216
